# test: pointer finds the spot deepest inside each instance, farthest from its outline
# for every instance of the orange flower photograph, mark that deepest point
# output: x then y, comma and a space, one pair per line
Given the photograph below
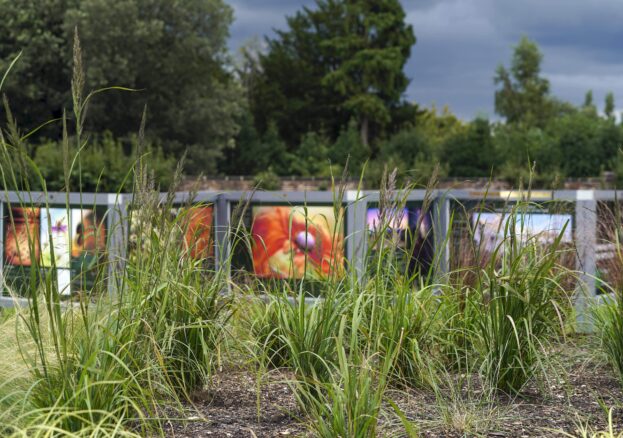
22, 234
197, 224
288, 244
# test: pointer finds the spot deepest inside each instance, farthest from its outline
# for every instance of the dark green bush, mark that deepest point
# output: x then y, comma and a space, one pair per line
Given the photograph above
101, 166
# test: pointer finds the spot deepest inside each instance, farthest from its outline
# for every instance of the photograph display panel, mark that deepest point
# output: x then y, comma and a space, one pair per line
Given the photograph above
73, 242
55, 240
395, 219
197, 225
21, 236
21, 249
292, 242
410, 230
88, 246
193, 227
608, 258
490, 228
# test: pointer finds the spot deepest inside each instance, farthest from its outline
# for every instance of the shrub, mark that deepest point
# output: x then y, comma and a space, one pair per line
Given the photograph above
101, 166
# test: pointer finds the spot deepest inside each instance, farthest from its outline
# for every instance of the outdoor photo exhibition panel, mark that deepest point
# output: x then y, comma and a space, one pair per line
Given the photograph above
54, 237
276, 237
315, 237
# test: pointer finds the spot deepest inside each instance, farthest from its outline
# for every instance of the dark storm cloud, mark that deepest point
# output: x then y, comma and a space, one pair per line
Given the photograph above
257, 18
461, 42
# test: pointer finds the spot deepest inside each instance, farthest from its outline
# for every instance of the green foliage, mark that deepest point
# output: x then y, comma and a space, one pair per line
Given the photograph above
180, 304
175, 54
609, 323
349, 147
608, 316
518, 308
417, 150
338, 61
373, 43
103, 365
101, 166
312, 158
523, 148
307, 333
38, 85
242, 157
524, 95
609, 106
579, 142
588, 100
267, 180
471, 153
349, 403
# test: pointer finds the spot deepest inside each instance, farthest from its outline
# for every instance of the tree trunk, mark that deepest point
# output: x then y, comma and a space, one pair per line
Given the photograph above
364, 131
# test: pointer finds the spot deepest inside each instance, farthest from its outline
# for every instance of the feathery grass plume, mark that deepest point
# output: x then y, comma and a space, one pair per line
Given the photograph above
77, 87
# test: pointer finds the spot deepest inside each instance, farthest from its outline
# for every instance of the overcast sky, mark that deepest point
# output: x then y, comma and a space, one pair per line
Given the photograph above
460, 43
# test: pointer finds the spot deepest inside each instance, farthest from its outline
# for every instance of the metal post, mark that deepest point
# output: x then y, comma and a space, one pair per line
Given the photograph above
356, 228
585, 241
221, 232
118, 237
441, 235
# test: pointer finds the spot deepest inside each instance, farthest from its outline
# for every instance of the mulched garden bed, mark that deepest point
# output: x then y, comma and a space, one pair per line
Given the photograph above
230, 408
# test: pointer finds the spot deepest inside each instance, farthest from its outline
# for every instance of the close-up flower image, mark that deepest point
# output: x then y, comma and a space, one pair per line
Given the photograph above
293, 242
197, 226
22, 235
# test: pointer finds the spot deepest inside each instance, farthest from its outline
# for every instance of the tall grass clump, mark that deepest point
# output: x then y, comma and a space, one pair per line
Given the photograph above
400, 309
350, 401
518, 307
178, 298
104, 364
608, 316
296, 331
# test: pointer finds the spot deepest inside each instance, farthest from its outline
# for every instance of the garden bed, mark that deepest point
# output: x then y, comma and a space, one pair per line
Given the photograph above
578, 399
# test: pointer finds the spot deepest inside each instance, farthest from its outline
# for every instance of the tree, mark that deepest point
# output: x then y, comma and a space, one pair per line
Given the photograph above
312, 158
523, 96
609, 106
342, 60
588, 99
349, 148
471, 153
242, 156
373, 43
579, 143
173, 53
38, 85
273, 154
523, 149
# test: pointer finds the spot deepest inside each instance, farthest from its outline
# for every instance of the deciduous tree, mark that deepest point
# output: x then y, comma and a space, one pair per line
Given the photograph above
523, 96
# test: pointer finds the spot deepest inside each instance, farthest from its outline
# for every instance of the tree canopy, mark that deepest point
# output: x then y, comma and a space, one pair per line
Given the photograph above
342, 60
173, 53
524, 94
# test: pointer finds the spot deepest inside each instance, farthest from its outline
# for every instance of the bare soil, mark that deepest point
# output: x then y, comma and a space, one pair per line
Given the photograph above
577, 397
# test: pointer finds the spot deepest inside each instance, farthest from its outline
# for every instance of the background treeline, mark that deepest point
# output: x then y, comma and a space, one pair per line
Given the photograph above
327, 88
